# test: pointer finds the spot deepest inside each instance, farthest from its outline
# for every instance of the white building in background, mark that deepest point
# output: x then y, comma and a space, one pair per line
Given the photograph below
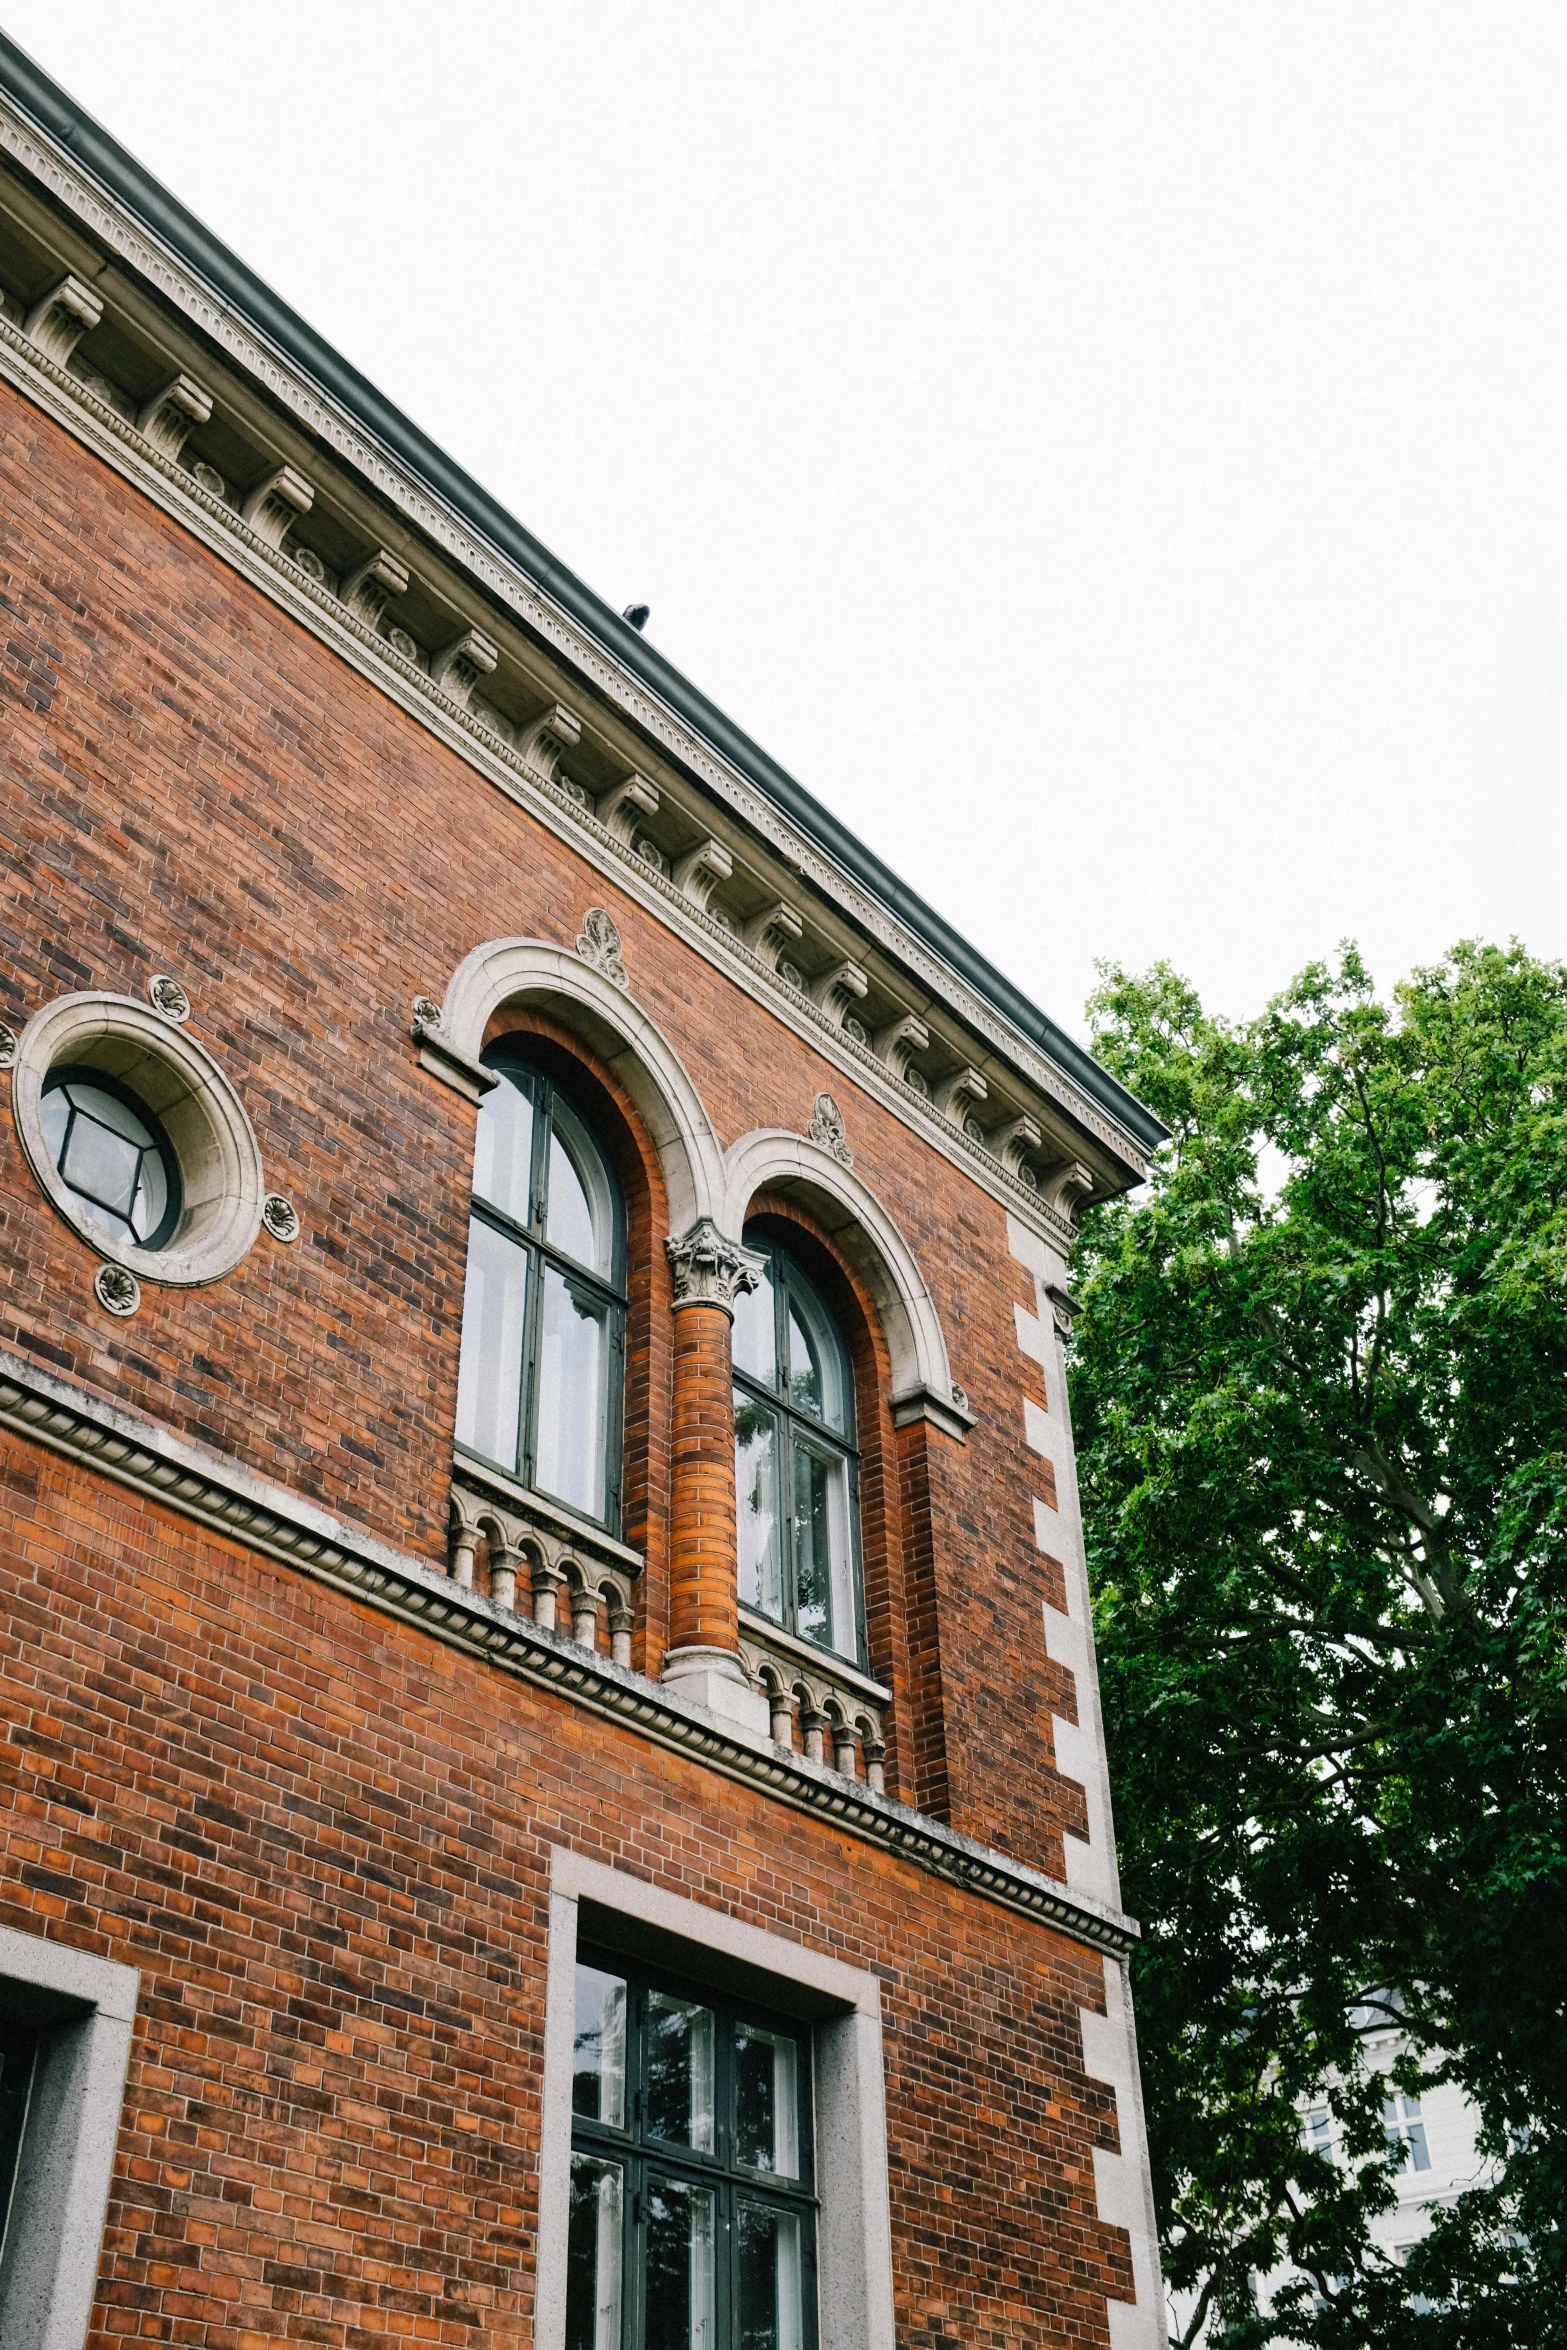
1438, 2131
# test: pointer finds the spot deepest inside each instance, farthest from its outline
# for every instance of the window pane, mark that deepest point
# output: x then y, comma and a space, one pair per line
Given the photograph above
768, 2315
755, 1341
101, 1163
823, 1566
680, 2300
817, 1366
680, 2071
766, 2102
756, 1506
598, 2087
489, 1379
503, 1147
594, 2246
581, 1218
573, 1395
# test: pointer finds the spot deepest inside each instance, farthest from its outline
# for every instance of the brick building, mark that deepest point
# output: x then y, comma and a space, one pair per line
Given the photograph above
552, 1779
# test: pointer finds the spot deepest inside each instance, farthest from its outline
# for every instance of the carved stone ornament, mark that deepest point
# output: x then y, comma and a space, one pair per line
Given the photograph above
7, 1046
426, 1012
280, 1216
598, 943
168, 998
117, 1291
710, 1270
960, 1396
1064, 1309
828, 1129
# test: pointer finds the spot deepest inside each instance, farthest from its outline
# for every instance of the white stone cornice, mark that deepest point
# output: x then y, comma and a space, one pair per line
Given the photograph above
78, 410
81, 196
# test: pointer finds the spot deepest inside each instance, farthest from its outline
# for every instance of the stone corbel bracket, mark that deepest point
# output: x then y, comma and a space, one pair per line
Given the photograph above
370, 588
1064, 1309
171, 415
768, 933
458, 668
898, 1041
58, 322
624, 805
445, 1059
545, 743
276, 503
701, 869
837, 990
1067, 1187
956, 1093
1016, 1143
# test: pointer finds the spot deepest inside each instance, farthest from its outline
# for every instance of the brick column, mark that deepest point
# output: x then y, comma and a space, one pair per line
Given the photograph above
702, 1568
704, 1625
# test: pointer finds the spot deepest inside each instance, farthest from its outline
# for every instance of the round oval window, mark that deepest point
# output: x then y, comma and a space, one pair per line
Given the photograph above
113, 1155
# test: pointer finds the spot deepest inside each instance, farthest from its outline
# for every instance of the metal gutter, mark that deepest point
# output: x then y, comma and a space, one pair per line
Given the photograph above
124, 179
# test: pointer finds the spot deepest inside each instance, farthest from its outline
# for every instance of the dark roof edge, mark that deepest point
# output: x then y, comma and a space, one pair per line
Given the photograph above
125, 179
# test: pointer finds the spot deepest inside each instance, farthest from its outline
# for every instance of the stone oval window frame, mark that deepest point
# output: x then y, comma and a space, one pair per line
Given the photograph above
181, 1084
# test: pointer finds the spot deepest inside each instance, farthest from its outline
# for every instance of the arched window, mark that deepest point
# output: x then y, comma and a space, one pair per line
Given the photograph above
540, 1388
796, 1468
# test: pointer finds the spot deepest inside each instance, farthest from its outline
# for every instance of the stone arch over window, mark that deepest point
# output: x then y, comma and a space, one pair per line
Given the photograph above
528, 971
845, 1208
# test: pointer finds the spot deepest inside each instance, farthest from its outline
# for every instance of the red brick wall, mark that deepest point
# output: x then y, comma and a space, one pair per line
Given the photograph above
192, 783
324, 1839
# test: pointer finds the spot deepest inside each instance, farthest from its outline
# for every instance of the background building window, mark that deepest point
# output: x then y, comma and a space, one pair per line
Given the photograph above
796, 1469
1406, 2133
693, 2213
543, 1345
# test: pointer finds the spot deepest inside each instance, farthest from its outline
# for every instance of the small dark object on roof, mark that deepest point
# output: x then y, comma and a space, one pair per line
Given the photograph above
637, 614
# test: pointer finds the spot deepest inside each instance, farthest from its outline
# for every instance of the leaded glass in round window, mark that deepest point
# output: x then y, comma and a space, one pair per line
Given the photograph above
113, 1155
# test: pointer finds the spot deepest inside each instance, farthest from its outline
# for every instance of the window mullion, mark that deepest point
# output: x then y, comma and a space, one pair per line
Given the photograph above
532, 1328
538, 1173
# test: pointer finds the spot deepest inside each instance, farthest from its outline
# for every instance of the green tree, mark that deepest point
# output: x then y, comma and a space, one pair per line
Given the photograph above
1320, 1391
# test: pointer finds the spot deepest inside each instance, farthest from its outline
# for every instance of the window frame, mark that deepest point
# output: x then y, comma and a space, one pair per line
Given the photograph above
816, 1435
509, 1058
643, 2157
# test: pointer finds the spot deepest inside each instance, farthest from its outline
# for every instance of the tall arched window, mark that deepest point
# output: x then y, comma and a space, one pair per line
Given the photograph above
796, 1467
541, 1383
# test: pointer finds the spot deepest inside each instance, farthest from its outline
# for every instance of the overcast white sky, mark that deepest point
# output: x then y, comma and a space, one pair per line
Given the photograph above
1116, 456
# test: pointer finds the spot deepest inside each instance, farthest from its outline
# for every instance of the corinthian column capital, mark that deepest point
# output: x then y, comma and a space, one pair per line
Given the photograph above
710, 1270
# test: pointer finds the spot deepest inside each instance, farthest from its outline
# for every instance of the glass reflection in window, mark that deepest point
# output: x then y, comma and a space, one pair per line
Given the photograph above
796, 1467
541, 1373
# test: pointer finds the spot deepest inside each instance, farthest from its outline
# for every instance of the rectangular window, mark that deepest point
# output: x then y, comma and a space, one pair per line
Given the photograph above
1406, 2133
693, 2207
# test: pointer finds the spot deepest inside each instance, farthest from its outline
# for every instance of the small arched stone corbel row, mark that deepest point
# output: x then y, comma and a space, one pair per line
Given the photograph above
838, 1724
560, 1575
